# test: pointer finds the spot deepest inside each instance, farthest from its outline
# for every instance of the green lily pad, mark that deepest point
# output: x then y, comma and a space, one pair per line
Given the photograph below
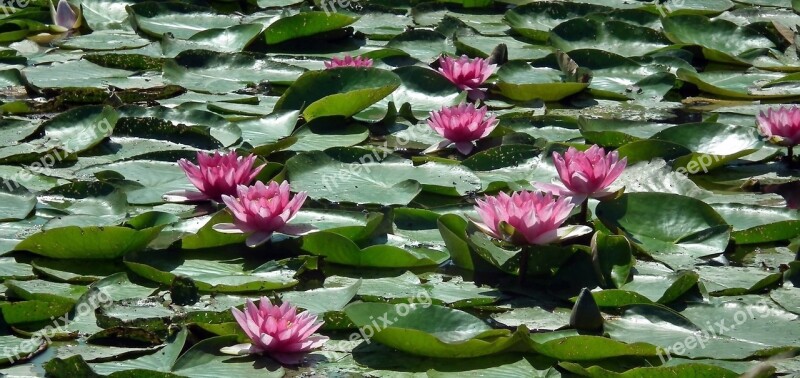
432, 331
482, 46
617, 77
106, 14
738, 85
759, 224
327, 132
39, 290
544, 260
305, 24
736, 280
389, 251
209, 274
23, 312
212, 72
552, 128
104, 242
85, 204
621, 37
423, 45
521, 82
81, 128
269, 129
364, 178
139, 180
690, 369
323, 300
659, 283
344, 91
712, 144
408, 288
228, 40
700, 7
17, 201
721, 40
730, 328
617, 132
11, 269
676, 237
19, 349
424, 90
111, 40
535, 20
535, 317
61, 75
569, 346
181, 19
787, 298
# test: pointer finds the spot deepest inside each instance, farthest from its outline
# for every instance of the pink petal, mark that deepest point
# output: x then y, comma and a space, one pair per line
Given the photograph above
65, 16
258, 239
464, 147
184, 196
297, 229
227, 228
550, 188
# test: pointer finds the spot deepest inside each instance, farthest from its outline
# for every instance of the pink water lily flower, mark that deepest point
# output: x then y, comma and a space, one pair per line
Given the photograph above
585, 174
64, 17
260, 210
348, 61
215, 175
466, 74
781, 127
461, 124
280, 332
527, 218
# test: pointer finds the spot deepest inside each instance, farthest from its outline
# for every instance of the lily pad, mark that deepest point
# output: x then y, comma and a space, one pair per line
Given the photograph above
206, 71
677, 238
362, 179
343, 91
105, 242
305, 24
432, 331
521, 82
721, 40
181, 19
621, 37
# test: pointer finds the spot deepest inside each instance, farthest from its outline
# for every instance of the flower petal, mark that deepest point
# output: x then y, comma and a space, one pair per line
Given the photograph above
238, 349
227, 228
465, 147
257, 239
297, 229
438, 146
573, 231
180, 196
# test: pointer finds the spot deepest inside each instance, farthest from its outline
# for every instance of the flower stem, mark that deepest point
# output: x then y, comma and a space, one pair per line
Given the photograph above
523, 265
584, 215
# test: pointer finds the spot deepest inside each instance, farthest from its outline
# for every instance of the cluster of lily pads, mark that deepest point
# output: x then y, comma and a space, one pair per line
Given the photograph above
209, 188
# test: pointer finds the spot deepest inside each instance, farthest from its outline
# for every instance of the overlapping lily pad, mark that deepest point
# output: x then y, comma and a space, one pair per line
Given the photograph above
677, 238
433, 331
519, 81
237, 275
343, 91
206, 71
360, 176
